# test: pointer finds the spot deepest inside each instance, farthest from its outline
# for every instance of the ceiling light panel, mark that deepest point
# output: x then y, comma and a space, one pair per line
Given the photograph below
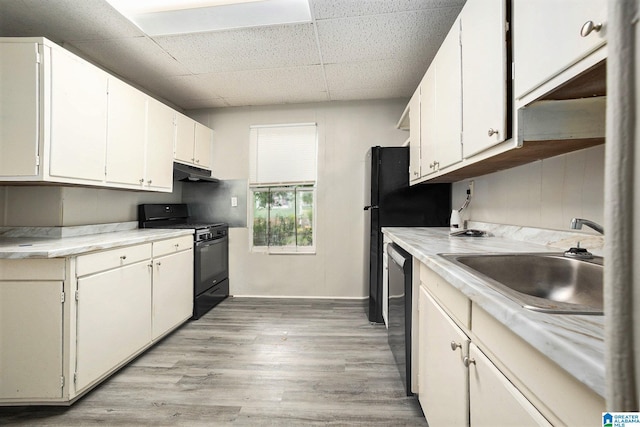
169, 17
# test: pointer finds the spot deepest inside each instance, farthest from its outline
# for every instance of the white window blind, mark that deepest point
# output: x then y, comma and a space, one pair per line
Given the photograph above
283, 154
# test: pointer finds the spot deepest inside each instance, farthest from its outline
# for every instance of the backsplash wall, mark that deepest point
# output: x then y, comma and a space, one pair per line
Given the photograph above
53, 206
544, 194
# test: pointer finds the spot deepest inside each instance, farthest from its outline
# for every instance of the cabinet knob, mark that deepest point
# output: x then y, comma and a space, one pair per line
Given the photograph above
141, 180
149, 182
123, 257
158, 263
455, 346
590, 27
416, 173
197, 160
492, 132
468, 361
177, 245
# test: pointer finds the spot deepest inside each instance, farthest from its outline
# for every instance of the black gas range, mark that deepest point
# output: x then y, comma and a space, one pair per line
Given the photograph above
211, 251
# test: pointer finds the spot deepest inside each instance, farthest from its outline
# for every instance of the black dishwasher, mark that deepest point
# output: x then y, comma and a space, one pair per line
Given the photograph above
399, 314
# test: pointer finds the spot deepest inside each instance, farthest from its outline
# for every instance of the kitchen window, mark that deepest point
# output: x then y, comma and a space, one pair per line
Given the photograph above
283, 171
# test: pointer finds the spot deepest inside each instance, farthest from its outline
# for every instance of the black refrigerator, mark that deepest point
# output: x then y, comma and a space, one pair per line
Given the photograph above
391, 202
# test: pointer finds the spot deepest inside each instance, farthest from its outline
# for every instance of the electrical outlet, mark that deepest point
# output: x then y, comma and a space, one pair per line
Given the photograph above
471, 188
234, 201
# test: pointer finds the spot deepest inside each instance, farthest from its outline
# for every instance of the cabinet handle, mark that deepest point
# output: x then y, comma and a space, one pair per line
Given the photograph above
492, 132
468, 361
123, 257
455, 345
590, 27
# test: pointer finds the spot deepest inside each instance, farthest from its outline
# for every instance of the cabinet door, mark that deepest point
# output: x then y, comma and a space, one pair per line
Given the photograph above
159, 151
414, 136
78, 118
172, 291
448, 119
31, 350
558, 44
428, 143
185, 138
19, 109
202, 150
442, 377
484, 74
113, 320
126, 132
494, 400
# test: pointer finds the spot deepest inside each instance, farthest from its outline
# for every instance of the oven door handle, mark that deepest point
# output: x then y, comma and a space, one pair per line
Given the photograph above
211, 242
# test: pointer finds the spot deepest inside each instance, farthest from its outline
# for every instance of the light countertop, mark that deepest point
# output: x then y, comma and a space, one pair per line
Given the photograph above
55, 247
574, 342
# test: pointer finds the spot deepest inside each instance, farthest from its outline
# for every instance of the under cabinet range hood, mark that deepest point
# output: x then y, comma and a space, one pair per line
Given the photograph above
182, 172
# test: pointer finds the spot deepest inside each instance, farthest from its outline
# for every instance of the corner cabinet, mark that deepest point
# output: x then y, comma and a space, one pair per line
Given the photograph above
480, 373
66, 121
96, 312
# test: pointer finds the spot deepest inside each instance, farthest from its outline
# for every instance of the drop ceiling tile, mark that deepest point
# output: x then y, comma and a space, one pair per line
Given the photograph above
194, 104
323, 9
260, 99
244, 49
137, 59
372, 74
180, 89
64, 20
399, 35
274, 82
372, 93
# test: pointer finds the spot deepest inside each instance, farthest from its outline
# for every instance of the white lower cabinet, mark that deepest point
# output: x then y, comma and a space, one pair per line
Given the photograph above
68, 323
114, 320
172, 300
31, 340
479, 373
442, 376
494, 400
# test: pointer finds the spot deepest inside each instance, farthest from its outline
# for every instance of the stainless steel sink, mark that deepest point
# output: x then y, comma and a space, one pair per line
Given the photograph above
541, 281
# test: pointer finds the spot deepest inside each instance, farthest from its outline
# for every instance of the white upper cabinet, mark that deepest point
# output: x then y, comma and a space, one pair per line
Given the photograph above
202, 146
126, 133
484, 75
185, 138
78, 118
193, 142
66, 121
551, 38
19, 107
159, 147
448, 95
414, 136
428, 143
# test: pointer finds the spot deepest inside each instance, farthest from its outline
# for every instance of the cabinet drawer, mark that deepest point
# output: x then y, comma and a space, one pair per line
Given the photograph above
32, 269
113, 258
458, 305
169, 246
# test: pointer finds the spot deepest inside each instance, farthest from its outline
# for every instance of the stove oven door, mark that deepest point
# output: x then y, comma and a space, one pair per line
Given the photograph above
211, 264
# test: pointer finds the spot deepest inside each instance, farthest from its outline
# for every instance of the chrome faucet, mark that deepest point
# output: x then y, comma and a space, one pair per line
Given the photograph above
577, 223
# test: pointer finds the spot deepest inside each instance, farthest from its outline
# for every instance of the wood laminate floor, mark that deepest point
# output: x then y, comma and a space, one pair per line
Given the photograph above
252, 362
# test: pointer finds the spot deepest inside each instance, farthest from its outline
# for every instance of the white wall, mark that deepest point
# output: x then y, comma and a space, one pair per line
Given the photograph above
544, 194
346, 130
53, 206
